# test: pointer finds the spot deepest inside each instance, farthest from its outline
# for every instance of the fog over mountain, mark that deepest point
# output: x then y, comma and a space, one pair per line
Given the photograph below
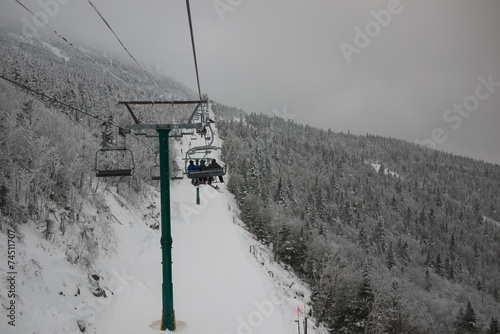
388, 67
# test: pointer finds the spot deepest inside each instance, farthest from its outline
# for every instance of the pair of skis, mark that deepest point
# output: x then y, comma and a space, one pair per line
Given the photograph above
211, 185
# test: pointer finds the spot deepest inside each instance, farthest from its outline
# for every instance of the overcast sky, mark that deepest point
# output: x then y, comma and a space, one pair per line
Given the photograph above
421, 70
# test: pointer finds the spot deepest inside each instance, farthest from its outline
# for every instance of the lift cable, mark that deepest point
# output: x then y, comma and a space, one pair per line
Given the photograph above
100, 65
194, 49
81, 52
55, 100
123, 46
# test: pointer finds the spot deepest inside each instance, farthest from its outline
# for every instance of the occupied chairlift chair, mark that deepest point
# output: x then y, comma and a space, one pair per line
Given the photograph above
199, 153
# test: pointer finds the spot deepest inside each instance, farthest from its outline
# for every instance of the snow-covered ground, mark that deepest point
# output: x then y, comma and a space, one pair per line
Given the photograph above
386, 171
220, 287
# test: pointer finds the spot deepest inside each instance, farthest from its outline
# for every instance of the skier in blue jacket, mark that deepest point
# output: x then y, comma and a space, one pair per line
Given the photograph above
192, 166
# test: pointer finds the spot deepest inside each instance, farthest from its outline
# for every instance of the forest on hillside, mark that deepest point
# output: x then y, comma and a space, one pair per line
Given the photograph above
48, 142
392, 237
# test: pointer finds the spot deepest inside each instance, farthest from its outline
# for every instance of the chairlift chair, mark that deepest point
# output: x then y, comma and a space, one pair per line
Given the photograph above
199, 153
155, 172
156, 176
206, 172
110, 166
177, 174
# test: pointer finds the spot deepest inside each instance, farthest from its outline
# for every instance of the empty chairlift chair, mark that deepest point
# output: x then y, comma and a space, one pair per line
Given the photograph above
155, 173
114, 162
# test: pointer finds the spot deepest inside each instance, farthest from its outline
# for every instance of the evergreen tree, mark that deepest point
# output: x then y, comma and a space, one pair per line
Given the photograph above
432, 217
428, 282
466, 322
451, 272
279, 195
452, 247
494, 327
422, 218
390, 261
438, 265
351, 315
381, 235
4, 199
439, 200
363, 239
394, 204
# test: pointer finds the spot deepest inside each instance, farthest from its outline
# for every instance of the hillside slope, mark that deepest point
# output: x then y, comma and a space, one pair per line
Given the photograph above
219, 286
376, 226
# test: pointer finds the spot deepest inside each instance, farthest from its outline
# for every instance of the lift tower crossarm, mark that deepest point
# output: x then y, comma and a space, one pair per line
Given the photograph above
163, 102
164, 126
136, 120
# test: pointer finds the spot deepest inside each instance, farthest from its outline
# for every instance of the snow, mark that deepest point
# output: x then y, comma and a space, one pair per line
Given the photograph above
58, 52
386, 171
219, 286
492, 221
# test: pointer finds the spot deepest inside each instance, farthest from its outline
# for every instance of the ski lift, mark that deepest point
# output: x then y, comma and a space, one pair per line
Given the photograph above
114, 161
206, 172
177, 174
203, 153
154, 171
156, 175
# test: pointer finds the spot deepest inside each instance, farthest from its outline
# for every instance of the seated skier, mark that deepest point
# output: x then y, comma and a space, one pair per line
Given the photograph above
214, 164
192, 166
202, 166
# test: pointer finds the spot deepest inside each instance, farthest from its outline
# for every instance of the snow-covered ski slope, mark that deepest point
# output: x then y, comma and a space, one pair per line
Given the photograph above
219, 286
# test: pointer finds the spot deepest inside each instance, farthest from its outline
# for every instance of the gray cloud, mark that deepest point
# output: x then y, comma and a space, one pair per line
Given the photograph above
267, 55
